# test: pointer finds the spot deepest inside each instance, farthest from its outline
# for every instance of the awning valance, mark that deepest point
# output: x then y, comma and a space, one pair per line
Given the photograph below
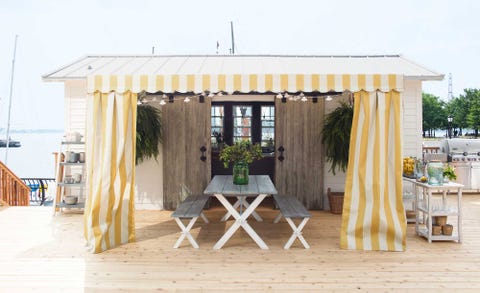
244, 83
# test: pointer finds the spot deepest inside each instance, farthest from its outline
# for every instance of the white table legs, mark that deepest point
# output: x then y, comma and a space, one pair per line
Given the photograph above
240, 221
242, 202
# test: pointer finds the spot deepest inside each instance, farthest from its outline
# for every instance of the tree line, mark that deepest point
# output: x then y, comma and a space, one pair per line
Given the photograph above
463, 110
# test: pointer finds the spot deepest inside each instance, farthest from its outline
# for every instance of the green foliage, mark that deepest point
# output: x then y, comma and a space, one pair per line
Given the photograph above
434, 115
473, 116
336, 136
449, 172
458, 108
149, 133
241, 151
464, 109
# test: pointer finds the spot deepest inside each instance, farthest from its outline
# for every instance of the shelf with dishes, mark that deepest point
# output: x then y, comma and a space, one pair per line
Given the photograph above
70, 178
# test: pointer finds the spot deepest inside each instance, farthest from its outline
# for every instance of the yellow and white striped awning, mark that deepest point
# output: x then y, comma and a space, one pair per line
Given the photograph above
244, 83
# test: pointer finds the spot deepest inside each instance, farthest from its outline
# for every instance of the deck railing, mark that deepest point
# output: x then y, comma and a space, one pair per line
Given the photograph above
13, 191
39, 187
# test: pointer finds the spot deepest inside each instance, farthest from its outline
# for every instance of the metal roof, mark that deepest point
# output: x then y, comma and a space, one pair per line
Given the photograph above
149, 65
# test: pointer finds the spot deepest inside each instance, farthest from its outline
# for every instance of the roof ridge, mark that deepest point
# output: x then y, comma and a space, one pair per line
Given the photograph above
246, 55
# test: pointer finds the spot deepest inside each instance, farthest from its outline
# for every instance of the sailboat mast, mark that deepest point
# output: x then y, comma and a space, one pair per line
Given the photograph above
233, 40
7, 139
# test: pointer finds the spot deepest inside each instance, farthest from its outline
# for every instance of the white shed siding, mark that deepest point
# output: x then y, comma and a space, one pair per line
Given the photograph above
149, 175
75, 105
412, 118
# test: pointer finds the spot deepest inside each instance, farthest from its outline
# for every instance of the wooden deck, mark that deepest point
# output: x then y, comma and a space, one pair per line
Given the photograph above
42, 253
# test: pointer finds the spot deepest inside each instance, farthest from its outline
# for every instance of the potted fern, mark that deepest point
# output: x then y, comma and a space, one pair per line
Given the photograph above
241, 153
336, 139
149, 133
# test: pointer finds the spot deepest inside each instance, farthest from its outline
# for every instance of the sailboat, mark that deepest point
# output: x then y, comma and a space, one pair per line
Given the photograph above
11, 143
7, 143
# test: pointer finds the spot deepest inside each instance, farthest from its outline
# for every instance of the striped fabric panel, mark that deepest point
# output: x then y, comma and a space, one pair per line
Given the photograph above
245, 83
373, 213
110, 165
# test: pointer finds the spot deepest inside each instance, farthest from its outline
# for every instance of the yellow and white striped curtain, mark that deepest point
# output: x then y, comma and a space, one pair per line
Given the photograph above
373, 213
110, 145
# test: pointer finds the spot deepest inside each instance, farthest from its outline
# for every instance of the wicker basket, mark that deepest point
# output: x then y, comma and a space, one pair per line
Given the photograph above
335, 200
439, 220
447, 229
436, 229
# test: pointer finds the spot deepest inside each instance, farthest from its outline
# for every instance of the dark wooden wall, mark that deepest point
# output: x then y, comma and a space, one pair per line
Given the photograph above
298, 127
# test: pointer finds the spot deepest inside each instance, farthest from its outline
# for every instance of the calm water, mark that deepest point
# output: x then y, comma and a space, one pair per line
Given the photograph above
34, 158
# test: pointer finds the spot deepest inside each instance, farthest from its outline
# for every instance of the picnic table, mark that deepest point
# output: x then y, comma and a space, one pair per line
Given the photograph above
259, 187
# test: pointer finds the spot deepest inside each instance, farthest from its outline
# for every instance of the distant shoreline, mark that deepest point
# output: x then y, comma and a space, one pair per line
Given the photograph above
3, 131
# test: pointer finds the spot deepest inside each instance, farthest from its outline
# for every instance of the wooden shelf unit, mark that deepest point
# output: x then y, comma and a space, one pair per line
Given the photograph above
429, 205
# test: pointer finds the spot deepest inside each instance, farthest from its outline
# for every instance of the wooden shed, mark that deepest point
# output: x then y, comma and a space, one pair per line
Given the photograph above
278, 101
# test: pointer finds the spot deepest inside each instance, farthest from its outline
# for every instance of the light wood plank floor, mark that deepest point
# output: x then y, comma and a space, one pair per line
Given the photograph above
42, 253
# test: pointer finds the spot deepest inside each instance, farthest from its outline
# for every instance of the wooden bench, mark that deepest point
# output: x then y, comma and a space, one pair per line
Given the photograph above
291, 208
191, 208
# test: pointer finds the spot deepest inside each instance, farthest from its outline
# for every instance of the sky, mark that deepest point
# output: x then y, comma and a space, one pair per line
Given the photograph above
442, 35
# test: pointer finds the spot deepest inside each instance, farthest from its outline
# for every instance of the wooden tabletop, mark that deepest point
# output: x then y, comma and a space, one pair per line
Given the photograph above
257, 184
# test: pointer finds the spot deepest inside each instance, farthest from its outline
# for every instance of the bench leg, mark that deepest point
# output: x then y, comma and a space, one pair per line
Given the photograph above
297, 233
186, 232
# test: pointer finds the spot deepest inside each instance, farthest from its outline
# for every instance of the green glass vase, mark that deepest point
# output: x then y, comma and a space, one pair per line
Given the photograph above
240, 173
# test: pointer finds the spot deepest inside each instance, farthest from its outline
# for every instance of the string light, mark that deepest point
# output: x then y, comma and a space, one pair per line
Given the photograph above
200, 97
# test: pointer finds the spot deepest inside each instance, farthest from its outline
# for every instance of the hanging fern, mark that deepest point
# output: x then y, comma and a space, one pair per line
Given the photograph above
149, 133
336, 136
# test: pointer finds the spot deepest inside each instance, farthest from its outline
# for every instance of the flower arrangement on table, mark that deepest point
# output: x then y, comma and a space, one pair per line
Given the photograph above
241, 153
449, 172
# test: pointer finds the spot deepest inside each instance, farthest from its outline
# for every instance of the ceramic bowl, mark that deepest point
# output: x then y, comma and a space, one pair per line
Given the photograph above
70, 199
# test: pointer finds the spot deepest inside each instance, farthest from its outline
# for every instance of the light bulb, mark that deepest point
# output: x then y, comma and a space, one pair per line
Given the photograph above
303, 99
187, 99
328, 99
162, 102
